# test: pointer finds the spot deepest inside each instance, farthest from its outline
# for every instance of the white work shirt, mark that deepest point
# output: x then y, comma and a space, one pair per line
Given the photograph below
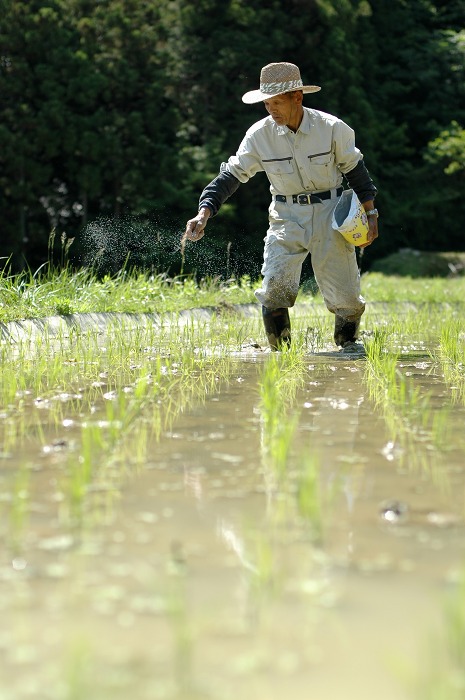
311, 160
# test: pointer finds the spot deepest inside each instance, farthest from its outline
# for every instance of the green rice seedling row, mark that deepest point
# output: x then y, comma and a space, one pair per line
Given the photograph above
187, 515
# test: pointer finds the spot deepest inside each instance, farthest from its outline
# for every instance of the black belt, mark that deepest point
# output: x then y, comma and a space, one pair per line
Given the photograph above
316, 198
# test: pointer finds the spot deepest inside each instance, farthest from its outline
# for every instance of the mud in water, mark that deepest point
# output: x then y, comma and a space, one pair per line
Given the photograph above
209, 574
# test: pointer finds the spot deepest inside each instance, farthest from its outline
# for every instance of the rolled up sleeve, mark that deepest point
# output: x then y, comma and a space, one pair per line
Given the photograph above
347, 155
246, 163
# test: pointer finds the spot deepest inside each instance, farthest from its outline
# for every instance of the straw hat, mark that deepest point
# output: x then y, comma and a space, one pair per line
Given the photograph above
276, 79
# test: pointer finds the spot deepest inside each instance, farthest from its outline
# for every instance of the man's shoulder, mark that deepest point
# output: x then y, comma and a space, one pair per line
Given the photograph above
317, 116
264, 124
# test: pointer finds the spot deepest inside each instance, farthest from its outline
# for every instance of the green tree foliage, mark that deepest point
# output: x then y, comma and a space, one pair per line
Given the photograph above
242, 36
124, 109
28, 144
86, 127
449, 149
417, 81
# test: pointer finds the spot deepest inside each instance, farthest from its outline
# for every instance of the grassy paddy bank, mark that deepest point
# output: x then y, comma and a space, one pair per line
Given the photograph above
184, 515
62, 292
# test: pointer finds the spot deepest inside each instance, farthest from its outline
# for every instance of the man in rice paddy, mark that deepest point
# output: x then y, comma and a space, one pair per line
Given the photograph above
305, 154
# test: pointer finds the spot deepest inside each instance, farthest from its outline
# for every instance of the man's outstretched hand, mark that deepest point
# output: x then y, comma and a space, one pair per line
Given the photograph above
195, 228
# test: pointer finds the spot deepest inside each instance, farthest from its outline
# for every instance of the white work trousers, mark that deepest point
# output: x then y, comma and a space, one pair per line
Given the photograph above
296, 230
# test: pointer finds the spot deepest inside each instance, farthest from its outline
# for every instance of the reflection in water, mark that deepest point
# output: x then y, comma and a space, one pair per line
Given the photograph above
277, 552
248, 559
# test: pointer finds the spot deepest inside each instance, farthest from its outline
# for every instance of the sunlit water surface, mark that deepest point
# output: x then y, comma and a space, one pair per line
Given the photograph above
201, 579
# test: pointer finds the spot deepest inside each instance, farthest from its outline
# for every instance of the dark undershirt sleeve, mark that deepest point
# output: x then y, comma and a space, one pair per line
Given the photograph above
219, 190
360, 181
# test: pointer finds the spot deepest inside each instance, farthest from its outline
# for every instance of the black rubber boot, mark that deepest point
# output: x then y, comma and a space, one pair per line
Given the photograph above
345, 331
277, 327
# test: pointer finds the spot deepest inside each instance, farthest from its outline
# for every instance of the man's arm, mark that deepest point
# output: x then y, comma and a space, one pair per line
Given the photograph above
360, 181
219, 190
372, 214
213, 196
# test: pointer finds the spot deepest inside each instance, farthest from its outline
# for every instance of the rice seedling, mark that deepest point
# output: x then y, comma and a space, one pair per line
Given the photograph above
264, 572
407, 409
389, 387
78, 671
279, 381
292, 473
451, 357
183, 634
309, 496
313, 497
124, 391
18, 511
80, 473
120, 391
443, 676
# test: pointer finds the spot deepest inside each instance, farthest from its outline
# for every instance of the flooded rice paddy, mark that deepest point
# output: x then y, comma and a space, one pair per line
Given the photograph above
185, 515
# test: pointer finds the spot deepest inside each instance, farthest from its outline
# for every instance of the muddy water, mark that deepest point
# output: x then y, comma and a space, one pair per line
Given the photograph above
202, 580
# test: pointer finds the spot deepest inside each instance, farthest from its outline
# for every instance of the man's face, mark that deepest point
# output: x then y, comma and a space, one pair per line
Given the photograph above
283, 108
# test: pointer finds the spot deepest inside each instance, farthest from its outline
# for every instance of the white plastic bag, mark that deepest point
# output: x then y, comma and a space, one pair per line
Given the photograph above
350, 219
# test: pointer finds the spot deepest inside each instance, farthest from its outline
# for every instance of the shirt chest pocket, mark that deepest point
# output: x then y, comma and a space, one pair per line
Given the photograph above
320, 159
320, 170
278, 166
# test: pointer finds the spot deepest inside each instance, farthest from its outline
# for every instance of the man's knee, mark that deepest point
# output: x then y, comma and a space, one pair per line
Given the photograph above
277, 293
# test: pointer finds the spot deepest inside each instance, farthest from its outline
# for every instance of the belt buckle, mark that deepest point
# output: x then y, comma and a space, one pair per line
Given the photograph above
303, 199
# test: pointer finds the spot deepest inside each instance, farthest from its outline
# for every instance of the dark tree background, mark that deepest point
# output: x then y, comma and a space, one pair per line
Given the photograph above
114, 114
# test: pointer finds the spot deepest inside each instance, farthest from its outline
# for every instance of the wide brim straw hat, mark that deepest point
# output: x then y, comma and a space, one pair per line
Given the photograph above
276, 79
